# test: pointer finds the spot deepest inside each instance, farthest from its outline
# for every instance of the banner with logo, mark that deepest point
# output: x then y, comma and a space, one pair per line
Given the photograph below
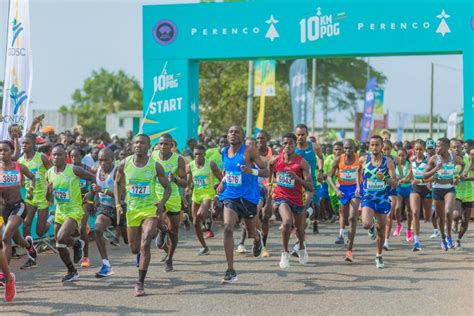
264, 77
368, 108
378, 106
452, 122
298, 91
18, 68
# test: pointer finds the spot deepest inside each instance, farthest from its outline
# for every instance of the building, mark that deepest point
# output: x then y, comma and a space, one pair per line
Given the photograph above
121, 122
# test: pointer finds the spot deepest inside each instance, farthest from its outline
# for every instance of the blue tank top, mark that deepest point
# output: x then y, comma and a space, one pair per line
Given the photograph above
375, 190
310, 156
238, 184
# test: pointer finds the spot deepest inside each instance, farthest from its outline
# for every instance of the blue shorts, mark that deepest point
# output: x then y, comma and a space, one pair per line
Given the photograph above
392, 191
349, 193
317, 194
294, 208
404, 191
324, 191
379, 207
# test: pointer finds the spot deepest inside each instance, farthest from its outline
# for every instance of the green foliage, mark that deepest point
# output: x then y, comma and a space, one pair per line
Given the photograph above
104, 92
425, 118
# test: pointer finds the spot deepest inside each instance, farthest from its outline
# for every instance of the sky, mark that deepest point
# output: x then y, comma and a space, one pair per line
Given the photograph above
72, 38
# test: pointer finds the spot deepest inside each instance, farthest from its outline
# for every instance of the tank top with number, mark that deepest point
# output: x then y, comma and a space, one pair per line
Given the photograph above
405, 170
140, 185
238, 184
10, 178
36, 166
418, 169
66, 189
171, 168
203, 178
347, 173
287, 188
107, 184
375, 190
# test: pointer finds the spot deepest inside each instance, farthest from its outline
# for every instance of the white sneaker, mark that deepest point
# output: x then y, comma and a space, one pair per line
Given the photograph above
295, 249
303, 256
285, 260
241, 249
386, 245
436, 234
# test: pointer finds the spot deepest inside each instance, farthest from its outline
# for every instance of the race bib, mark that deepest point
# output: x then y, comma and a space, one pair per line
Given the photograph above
349, 175
10, 178
284, 180
375, 185
83, 183
139, 189
62, 195
200, 181
105, 199
36, 173
233, 178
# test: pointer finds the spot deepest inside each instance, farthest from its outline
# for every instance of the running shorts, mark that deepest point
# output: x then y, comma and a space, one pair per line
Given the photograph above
244, 208
294, 208
18, 208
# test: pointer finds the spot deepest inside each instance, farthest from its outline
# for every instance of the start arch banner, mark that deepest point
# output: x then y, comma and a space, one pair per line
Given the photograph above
177, 37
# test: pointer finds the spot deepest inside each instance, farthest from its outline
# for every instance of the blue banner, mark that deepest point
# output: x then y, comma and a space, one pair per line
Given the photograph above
402, 120
298, 91
368, 108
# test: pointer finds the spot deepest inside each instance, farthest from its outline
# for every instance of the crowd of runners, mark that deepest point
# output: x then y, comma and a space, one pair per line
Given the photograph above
146, 192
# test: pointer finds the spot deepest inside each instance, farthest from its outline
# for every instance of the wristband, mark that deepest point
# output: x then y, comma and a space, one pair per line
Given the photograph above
90, 202
118, 205
255, 172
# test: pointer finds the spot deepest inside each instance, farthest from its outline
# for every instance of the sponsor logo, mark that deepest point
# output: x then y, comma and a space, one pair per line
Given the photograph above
320, 26
165, 81
17, 28
17, 97
165, 32
15, 49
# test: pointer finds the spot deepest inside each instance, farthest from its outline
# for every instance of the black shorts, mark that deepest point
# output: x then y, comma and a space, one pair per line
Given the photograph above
18, 208
439, 194
111, 213
244, 209
422, 191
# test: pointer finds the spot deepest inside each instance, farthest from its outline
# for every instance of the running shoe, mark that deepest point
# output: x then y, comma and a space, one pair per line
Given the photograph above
257, 245
458, 244
229, 277
386, 245
160, 239
379, 262
163, 256
137, 260
168, 265
333, 219
303, 256
295, 249
139, 289
78, 251
241, 249
285, 260
209, 234
86, 263
416, 247
71, 276
104, 271
10, 289
2, 279
115, 242
444, 245
436, 234
32, 253
398, 230
409, 235
29, 264
349, 257
372, 232
455, 228
315, 227
265, 253
204, 251
339, 240
450, 243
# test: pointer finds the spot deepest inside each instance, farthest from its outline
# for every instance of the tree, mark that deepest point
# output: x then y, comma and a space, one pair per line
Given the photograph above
104, 92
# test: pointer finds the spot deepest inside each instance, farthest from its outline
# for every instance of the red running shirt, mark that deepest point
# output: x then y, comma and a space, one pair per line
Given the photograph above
287, 188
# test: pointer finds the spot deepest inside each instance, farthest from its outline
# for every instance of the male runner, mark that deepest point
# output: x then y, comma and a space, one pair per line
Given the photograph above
201, 175
291, 174
136, 175
63, 183
466, 194
38, 164
377, 172
345, 167
175, 169
240, 194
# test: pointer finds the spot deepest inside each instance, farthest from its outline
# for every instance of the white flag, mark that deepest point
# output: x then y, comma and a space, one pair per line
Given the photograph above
18, 69
452, 123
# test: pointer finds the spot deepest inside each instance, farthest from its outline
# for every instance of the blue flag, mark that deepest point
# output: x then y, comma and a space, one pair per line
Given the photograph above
298, 91
368, 108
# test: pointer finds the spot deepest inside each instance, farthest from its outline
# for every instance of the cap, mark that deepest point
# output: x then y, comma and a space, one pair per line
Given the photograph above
430, 144
48, 129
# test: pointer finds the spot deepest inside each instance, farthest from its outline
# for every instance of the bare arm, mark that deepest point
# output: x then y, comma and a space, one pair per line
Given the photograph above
189, 178
392, 181
332, 172
432, 168
216, 171
46, 163
119, 183
319, 153
307, 180
160, 174
24, 170
255, 157
360, 170
83, 174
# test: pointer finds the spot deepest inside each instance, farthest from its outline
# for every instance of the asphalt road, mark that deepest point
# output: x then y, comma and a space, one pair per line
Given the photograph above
426, 283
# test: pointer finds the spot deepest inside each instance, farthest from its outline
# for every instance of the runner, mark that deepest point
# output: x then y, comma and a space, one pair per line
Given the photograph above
38, 164
106, 212
442, 165
201, 174
430, 152
404, 189
420, 196
292, 173
377, 173
240, 194
465, 193
7, 278
345, 167
313, 154
175, 169
136, 175
63, 183
389, 152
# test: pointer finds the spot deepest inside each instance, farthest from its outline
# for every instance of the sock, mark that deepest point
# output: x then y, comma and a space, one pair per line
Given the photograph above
417, 238
378, 255
341, 232
106, 262
141, 275
264, 238
70, 267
